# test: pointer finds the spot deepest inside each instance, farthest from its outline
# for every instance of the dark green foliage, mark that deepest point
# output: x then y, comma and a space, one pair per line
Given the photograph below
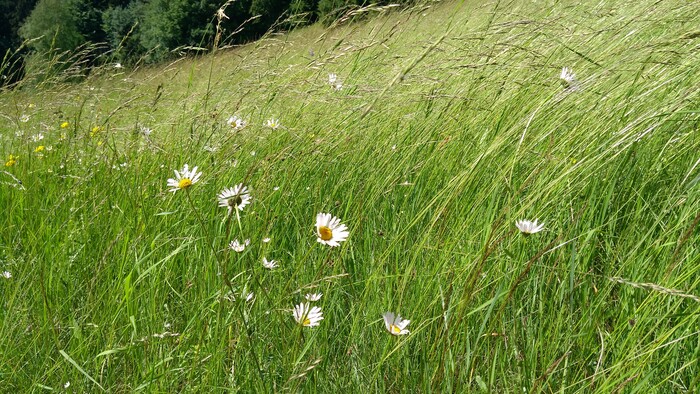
329, 10
304, 9
152, 30
54, 25
121, 26
13, 12
270, 12
171, 24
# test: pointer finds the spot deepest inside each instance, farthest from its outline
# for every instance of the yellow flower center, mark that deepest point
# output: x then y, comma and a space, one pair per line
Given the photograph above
306, 322
394, 329
184, 183
325, 233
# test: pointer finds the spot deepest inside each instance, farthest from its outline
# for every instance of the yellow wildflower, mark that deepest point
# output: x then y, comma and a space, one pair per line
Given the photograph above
11, 160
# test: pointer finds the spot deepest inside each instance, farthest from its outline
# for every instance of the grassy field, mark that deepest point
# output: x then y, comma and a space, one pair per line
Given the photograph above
452, 123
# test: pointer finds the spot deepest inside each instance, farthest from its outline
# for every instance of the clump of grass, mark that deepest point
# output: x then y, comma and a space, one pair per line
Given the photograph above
452, 124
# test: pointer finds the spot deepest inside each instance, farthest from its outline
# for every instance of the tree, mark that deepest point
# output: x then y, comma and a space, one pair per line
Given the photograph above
11, 64
122, 30
54, 26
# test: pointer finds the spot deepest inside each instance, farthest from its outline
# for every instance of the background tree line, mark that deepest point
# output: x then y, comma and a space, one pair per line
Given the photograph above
141, 30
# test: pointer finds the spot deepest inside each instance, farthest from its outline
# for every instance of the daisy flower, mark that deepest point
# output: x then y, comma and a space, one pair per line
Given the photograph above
307, 316
527, 227
145, 131
395, 324
272, 123
184, 178
24, 118
236, 123
329, 230
238, 246
269, 264
249, 296
313, 297
236, 197
334, 82
567, 76
6, 274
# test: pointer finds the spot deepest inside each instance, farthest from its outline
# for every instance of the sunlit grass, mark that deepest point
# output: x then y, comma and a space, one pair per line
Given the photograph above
452, 124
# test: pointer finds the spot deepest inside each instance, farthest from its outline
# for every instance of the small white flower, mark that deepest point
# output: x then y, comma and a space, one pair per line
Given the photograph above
307, 316
37, 137
395, 324
6, 274
335, 82
24, 118
210, 149
184, 178
236, 123
252, 153
145, 131
527, 227
313, 297
65, 386
248, 296
269, 264
329, 230
272, 123
568, 77
236, 197
266, 240
276, 188
238, 246
118, 65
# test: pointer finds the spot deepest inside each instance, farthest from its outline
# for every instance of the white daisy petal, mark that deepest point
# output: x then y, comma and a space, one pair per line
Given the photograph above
236, 197
527, 227
395, 324
329, 230
307, 316
313, 297
269, 264
184, 179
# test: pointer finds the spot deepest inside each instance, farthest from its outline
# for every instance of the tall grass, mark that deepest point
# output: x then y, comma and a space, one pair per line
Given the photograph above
452, 124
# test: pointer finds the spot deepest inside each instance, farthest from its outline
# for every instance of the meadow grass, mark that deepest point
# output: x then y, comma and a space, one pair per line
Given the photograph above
451, 125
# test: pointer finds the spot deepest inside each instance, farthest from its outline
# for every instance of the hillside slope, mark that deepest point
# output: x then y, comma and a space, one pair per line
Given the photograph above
452, 123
